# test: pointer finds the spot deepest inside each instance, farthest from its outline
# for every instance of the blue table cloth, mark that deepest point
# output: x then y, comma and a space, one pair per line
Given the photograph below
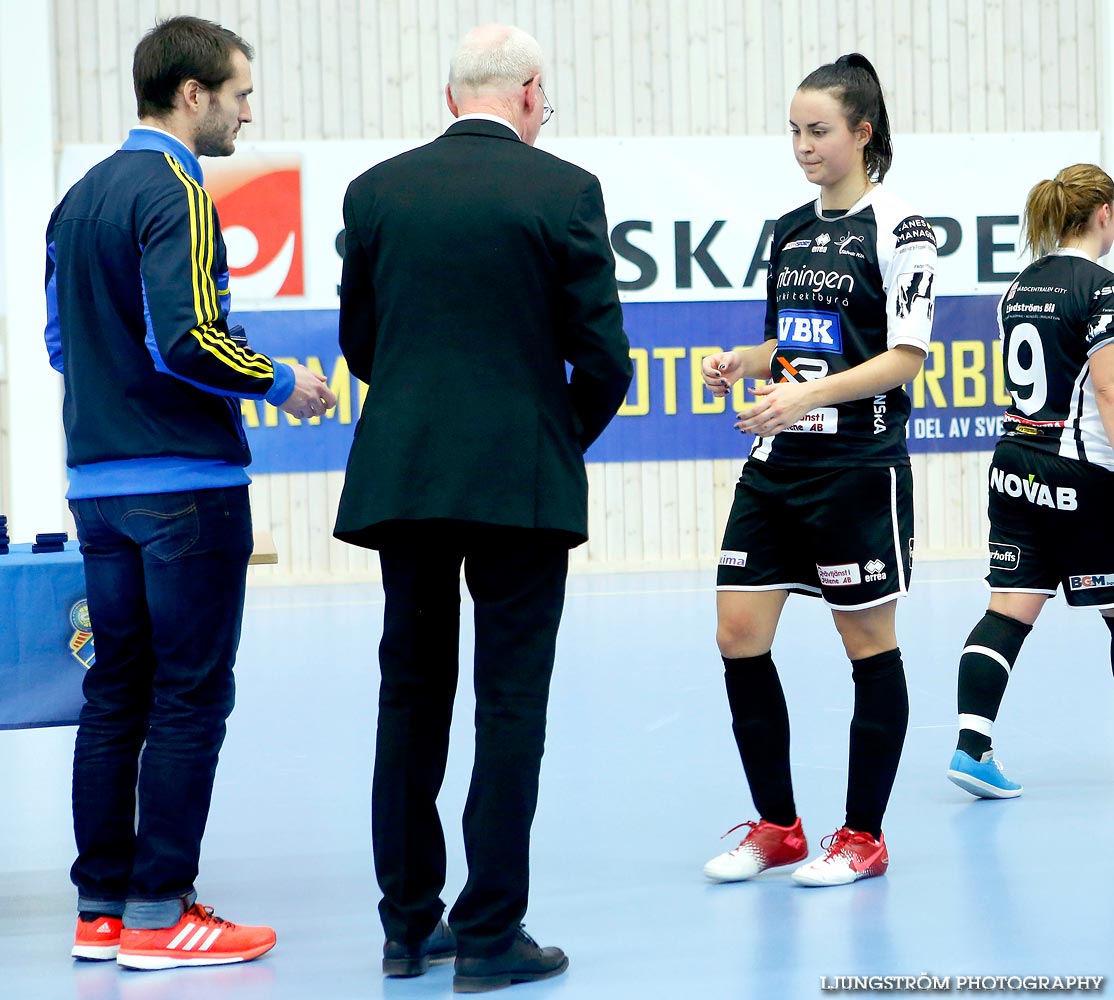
45, 642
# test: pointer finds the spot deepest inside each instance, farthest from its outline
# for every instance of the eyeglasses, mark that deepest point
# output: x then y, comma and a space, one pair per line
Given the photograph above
547, 108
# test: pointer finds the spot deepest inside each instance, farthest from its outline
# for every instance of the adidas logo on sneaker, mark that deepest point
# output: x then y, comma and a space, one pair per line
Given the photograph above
97, 940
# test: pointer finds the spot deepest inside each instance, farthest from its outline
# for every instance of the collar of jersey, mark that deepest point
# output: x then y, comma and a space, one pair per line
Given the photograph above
862, 203
163, 142
1069, 252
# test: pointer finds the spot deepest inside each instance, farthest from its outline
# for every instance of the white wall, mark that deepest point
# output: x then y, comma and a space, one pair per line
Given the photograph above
32, 484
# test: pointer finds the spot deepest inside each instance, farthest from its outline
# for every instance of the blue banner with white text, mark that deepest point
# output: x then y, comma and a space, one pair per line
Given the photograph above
958, 399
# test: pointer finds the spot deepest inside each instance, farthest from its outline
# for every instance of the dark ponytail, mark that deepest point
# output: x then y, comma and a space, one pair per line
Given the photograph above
854, 80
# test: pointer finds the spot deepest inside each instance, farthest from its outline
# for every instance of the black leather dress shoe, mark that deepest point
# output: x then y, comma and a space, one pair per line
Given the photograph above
405, 960
523, 962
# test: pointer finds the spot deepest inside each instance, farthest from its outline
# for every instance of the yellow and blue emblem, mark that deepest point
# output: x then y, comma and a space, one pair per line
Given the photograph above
81, 642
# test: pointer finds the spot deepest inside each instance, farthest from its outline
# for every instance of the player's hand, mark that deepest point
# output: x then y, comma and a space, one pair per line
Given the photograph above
779, 406
722, 371
311, 395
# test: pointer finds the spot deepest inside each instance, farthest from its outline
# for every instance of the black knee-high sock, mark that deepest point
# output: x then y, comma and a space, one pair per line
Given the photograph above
760, 722
1110, 625
877, 736
984, 671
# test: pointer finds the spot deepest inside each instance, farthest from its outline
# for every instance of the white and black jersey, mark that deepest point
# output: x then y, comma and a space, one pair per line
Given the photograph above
842, 289
1058, 312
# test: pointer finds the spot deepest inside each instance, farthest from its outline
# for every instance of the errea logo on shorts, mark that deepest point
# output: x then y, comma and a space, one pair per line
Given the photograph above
736, 559
875, 570
1091, 580
844, 575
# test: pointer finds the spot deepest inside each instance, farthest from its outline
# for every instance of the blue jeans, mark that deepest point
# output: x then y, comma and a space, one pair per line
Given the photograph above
164, 577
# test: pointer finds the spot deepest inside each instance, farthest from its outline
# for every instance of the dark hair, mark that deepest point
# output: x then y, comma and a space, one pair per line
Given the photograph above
177, 49
1063, 206
854, 81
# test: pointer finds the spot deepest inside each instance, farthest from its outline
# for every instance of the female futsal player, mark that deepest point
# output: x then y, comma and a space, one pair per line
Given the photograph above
1052, 475
824, 504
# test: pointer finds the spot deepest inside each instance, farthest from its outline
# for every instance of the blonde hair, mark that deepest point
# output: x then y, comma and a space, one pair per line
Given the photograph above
1063, 206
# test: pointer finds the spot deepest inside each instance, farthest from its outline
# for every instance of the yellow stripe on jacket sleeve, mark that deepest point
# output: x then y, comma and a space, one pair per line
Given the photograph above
208, 245
222, 356
202, 219
217, 341
201, 245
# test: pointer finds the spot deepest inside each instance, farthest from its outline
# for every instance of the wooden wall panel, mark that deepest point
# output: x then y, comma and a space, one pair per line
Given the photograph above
371, 69
328, 69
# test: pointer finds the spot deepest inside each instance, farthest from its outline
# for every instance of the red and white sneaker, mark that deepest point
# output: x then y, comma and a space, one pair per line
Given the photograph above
199, 938
849, 855
765, 846
98, 939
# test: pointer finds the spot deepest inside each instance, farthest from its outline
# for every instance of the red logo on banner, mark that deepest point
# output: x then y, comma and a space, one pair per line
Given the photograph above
259, 202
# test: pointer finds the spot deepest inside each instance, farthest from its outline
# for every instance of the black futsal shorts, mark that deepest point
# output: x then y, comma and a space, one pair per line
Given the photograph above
1050, 525
843, 534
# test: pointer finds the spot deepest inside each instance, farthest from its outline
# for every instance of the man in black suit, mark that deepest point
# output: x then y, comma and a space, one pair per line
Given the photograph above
475, 267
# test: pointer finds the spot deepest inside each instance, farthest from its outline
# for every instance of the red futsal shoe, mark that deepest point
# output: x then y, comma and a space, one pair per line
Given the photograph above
765, 846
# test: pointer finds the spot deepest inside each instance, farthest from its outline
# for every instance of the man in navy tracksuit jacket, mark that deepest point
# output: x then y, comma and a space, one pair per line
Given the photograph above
137, 296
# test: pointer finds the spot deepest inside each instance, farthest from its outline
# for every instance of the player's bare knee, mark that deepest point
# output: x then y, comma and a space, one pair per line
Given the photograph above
739, 637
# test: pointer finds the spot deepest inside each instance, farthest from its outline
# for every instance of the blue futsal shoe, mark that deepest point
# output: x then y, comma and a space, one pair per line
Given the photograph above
982, 778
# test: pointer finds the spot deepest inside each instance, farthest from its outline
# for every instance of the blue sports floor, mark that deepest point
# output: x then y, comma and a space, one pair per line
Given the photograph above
640, 779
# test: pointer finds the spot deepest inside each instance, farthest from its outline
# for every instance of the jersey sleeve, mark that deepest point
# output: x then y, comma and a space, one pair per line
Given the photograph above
1100, 319
999, 314
770, 332
909, 282
187, 335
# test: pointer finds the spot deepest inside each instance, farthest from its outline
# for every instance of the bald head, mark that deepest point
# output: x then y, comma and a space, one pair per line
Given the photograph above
497, 70
493, 61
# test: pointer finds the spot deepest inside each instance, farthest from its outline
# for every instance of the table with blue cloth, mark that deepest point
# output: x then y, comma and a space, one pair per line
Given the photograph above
46, 643
45, 640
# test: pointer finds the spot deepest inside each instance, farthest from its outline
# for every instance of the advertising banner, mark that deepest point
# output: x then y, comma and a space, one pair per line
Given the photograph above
957, 400
691, 222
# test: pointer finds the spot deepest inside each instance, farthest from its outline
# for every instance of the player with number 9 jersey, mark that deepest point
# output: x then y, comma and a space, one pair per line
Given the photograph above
1053, 318
1052, 475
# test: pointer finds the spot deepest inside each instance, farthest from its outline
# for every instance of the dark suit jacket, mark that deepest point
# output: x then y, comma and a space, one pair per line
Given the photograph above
474, 268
